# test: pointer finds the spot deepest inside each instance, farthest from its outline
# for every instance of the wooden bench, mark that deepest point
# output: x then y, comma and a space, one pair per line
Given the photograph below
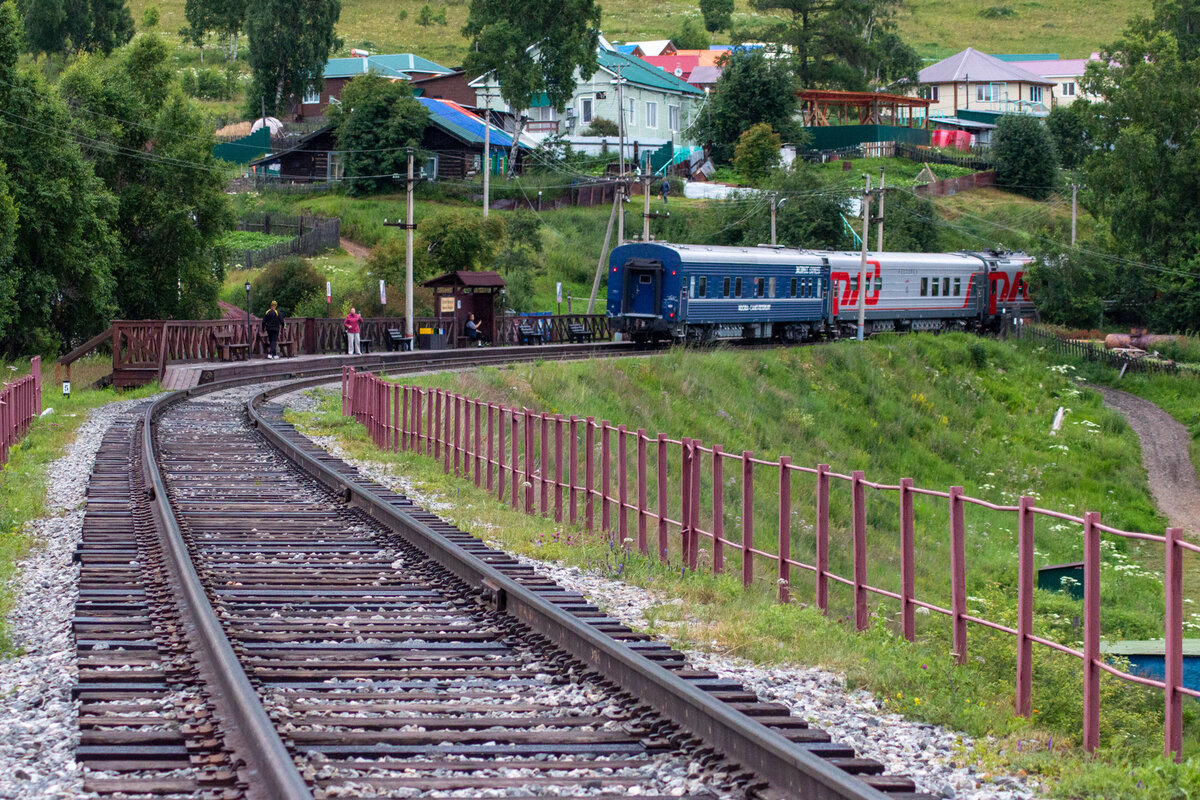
364, 344
577, 332
285, 345
530, 335
398, 341
227, 349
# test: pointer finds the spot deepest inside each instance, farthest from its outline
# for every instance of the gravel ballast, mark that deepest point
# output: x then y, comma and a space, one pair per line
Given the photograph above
937, 759
38, 730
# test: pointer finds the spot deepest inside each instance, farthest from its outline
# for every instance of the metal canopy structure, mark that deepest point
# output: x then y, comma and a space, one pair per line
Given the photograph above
824, 107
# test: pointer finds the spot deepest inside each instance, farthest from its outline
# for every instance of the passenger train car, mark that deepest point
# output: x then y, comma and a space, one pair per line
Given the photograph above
700, 293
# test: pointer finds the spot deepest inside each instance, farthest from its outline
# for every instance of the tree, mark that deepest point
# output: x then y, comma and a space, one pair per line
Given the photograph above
153, 149
718, 14
531, 49
840, 44
427, 16
1069, 285
691, 35
757, 151
223, 17
1068, 126
289, 281
522, 243
376, 123
454, 240
290, 41
752, 88
62, 26
60, 267
1026, 162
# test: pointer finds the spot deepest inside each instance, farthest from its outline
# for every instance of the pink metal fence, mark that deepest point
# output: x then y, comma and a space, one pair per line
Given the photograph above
536, 462
20, 402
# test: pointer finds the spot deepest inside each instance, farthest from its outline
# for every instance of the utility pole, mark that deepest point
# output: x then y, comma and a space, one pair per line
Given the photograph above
1074, 210
879, 230
774, 198
620, 212
409, 227
487, 149
646, 208
620, 82
862, 267
603, 251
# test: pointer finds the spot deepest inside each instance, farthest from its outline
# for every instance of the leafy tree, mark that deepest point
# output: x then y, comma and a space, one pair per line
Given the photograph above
691, 35
150, 18
533, 48
602, 127
522, 244
377, 121
1026, 162
911, 223
153, 149
8, 246
62, 26
223, 17
1070, 285
840, 44
427, 16
757, 151
1068, 126
752, 88
454, 240
718, 15
289, 281
290, 41
62, 255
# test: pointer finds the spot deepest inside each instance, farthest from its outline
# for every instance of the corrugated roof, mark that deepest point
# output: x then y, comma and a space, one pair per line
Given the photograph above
396, 65
471, 278
654, 47
408, 62
704, 76
978, 67
1063, 67
684, 63
461, 123
635, 70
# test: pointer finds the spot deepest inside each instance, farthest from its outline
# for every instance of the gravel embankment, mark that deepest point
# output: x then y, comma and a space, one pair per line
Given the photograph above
933, 756
38, 732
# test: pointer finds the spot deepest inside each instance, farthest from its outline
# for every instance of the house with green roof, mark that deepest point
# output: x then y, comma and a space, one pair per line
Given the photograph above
340, 71
658, 106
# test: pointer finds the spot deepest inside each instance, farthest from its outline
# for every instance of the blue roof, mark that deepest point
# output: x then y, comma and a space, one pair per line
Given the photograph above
460, 123
1026, 56
626, 48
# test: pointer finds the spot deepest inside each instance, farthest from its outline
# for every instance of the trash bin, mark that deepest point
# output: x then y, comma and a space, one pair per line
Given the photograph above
431, 338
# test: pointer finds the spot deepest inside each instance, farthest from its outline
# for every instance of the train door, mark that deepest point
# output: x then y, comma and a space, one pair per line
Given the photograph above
643, 288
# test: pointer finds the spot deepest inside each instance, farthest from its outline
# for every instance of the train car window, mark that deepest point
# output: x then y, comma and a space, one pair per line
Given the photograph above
771, 291
703, 286
816, 285
957, 287
793, 287
760, 287
935, 283
946, 286
924, 287
692, 286
879, 283
725, 291
644, 278
737, 287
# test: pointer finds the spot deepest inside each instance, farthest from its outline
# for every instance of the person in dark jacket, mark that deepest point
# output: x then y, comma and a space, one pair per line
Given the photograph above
272, 323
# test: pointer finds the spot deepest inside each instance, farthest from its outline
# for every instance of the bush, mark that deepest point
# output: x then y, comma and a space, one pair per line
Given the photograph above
289, 281
602, 127
757, 151
1026, 161
1068, 126
691, 35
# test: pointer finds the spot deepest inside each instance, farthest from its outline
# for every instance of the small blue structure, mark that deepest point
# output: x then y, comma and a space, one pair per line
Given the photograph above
1148, 658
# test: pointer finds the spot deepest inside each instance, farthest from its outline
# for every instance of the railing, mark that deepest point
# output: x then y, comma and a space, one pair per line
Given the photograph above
555, 328
311, 235
20, 402
1090, 352
665, 496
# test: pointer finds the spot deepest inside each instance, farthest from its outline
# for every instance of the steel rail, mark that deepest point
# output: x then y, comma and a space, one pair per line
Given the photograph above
789, 769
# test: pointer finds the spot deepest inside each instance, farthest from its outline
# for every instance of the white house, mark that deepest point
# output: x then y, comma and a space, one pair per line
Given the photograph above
1065, 73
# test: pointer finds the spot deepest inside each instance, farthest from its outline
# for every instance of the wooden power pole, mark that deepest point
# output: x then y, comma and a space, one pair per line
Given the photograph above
409, 227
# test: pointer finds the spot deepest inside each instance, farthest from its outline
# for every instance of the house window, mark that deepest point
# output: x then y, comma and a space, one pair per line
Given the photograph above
673, 117
585, 110
703, 287
1069, 89
1035, 94
931, 93
477, 162
429, 168
311, 96
543, 114
725, 289
630, 112
989, 92
651, 115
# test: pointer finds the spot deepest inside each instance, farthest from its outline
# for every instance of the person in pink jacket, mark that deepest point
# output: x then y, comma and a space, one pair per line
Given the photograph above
353, 344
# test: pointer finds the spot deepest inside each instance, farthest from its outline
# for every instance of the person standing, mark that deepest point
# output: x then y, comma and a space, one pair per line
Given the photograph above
353, 335
272, 323
665, 188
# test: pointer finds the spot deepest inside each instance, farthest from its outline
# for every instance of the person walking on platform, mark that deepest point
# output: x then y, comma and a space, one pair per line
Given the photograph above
353, 335
272, 323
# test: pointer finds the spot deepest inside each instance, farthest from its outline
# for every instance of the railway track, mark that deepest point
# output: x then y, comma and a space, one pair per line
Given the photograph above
255, 619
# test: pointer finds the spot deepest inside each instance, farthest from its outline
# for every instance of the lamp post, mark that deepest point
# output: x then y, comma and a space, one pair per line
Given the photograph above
248, 319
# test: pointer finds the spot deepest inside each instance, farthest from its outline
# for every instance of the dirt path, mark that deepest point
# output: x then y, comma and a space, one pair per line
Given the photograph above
1165, 456
356, 250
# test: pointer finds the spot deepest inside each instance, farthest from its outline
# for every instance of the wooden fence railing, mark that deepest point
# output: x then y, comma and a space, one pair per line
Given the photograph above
20, 402
555, 328
1090, 352
311, 235
674, 497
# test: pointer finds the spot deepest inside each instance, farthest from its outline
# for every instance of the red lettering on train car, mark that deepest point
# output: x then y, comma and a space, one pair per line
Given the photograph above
847, 294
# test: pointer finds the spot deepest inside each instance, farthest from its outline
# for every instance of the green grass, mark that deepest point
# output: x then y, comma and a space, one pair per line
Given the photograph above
900, 172
983, 407
936, 28
23, 478
251, 240
986, 218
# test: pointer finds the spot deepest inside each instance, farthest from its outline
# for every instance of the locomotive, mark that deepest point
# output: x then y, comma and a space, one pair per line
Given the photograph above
700, 293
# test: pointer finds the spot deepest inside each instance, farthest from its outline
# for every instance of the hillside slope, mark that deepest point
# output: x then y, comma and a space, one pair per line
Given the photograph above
936, 28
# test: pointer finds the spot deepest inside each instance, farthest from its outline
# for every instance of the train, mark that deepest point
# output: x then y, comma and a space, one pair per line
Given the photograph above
699, 293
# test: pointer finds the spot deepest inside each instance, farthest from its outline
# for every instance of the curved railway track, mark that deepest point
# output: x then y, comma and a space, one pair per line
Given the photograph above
257, 620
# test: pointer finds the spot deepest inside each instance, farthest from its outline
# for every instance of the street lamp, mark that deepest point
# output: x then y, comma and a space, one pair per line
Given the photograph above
248, 319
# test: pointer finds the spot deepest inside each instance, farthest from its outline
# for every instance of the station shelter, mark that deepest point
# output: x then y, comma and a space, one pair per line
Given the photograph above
457, 295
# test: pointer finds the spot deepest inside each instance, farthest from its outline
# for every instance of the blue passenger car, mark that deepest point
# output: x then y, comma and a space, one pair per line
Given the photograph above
702, 293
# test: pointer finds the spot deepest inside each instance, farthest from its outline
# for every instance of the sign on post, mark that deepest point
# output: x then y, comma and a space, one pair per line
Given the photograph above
382, 293
328, 292
66, 388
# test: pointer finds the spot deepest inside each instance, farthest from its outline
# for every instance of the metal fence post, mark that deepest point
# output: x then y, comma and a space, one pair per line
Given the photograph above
862, 616
1173, 654
501, 447
785, 528
589, 475
822, 555
558, 468
437, 423
544, 455
605, 476
685, 500
1026, 579
479, 448
528, 436
515, 461
694, 514
1091, 631
573, 470
907, 561
664, 541
448, 432
622, 487
958, 574
718, 511
643, 544
747, 518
